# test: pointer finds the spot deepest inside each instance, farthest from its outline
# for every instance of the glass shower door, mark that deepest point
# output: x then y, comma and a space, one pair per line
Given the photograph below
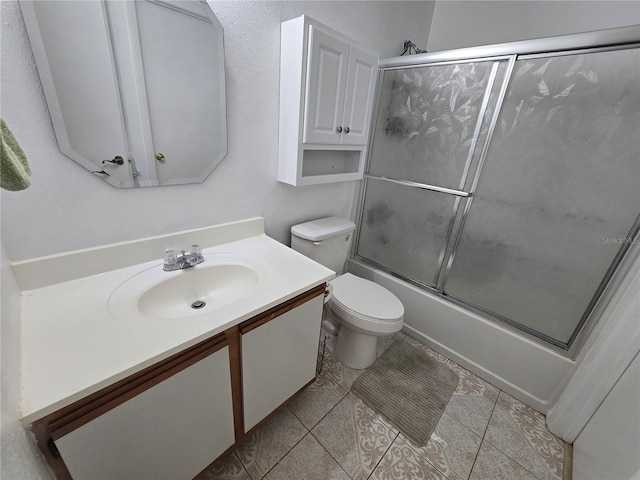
509, 185
405, 230
558, 197
432, 122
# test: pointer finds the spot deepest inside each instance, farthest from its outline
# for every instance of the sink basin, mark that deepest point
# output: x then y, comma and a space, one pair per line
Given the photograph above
220, 281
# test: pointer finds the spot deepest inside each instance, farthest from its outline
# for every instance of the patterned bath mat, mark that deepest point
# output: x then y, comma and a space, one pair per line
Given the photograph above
409, 388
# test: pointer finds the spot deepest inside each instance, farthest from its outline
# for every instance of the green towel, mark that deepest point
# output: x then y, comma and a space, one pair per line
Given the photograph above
14, 168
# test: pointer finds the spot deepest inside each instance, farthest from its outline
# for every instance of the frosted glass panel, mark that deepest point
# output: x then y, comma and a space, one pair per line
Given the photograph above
558, 193
427, 121
404, 229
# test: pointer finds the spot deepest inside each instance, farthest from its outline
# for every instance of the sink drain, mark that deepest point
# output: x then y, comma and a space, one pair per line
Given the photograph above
198, 304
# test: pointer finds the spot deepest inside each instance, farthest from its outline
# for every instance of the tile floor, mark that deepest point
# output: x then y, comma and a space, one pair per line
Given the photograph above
327, 432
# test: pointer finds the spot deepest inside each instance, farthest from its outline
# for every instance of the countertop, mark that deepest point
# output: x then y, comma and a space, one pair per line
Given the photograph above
72, 345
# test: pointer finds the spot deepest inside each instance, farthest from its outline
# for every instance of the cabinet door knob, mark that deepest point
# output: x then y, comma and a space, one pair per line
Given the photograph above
339, 129
346, 129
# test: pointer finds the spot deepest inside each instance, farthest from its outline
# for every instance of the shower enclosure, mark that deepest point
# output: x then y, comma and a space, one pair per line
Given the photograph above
506, 178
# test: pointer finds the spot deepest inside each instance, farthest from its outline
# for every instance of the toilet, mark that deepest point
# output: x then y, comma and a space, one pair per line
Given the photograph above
360, 309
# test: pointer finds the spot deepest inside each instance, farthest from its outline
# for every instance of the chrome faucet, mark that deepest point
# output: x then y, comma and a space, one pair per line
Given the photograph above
173, 261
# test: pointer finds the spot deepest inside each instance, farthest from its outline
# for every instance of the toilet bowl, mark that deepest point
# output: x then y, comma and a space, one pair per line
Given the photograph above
361, 309
364, 311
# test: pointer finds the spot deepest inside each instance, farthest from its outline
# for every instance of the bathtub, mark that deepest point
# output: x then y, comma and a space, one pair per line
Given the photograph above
521, 366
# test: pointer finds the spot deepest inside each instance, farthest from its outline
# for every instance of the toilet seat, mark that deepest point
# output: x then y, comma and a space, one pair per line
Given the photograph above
366, 306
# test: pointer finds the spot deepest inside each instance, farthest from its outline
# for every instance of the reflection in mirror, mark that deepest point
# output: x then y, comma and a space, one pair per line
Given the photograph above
135, 90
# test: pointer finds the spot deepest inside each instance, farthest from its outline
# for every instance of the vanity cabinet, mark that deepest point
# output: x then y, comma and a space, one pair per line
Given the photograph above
173, 419
172, 430
327, 85
279, 356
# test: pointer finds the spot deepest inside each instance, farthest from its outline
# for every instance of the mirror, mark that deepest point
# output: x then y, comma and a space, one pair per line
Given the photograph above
135, 90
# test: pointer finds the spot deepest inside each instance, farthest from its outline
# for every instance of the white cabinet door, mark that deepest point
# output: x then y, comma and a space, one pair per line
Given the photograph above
278, 359
358, 103
327, 69
171, 431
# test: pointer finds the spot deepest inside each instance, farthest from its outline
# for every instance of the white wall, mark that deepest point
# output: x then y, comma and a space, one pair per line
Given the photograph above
19, 458
609, 349
468, 23
609, 445
67, 208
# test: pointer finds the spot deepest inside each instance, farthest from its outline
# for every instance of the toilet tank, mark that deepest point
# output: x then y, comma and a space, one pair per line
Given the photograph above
326, 240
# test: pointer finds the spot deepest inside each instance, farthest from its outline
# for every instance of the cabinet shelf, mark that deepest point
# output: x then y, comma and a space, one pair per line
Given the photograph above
320, 166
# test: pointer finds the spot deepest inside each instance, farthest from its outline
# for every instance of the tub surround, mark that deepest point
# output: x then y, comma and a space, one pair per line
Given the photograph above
72, 345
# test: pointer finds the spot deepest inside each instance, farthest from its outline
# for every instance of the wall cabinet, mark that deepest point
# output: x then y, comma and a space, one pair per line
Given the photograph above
327, 85
174, 419
339, 93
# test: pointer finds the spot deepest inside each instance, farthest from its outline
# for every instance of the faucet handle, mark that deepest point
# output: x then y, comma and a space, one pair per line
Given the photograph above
170, 256
196, 250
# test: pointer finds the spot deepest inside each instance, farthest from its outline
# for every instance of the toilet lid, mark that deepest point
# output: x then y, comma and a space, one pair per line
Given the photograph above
366, 298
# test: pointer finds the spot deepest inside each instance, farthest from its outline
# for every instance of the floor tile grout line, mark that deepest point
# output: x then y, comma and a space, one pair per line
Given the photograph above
383, 455
482, 438
517, 462
398, 434
299, 419
320, 442
244, 469
329, 453
323, 417
428, 461
484, 434
343, 390
287, 453
506, 454
459, 423
454, 419
431, 463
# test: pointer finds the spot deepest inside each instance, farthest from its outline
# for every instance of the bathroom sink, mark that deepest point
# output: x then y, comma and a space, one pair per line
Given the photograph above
220, 281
